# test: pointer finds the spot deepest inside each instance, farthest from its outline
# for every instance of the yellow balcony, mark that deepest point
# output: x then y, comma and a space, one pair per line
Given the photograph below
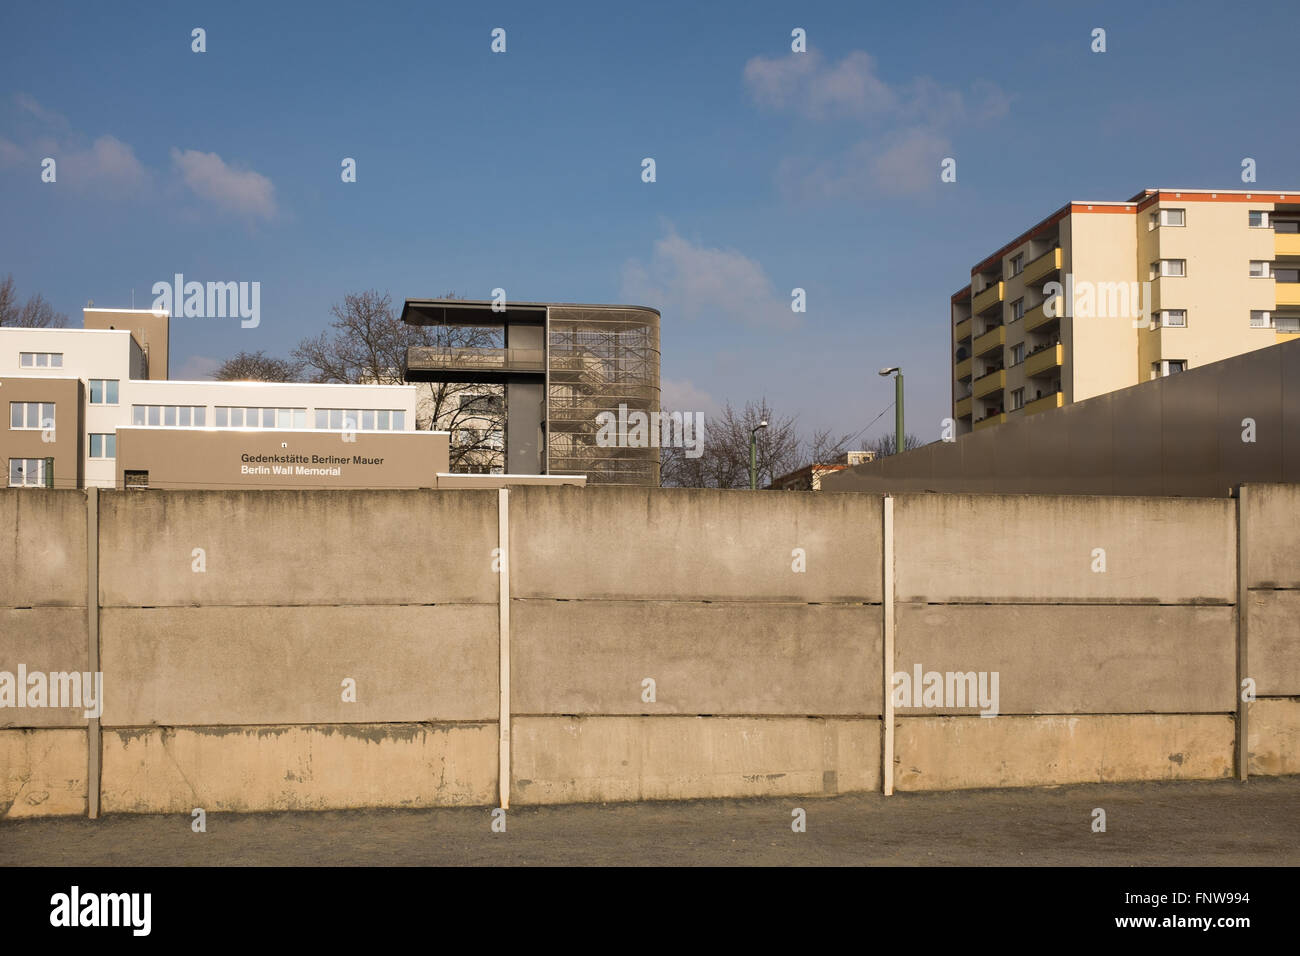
1286, 243
1287, 293
991, 420
1046, 360
988, 298
1042, 267
1038, 315
1055, 400
993, 382
962, 370
962, 407
990, 340
962, 330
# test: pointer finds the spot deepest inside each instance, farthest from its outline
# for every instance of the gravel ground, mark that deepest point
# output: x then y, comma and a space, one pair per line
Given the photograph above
1218, 823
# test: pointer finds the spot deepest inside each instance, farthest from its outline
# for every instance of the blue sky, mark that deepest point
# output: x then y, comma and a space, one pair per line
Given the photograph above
522, 170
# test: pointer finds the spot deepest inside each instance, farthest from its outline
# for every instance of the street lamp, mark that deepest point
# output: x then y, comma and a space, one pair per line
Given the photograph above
898, 405
753, 448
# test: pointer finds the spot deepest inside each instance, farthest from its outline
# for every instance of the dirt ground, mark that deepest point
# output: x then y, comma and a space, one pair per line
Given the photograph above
1220, 823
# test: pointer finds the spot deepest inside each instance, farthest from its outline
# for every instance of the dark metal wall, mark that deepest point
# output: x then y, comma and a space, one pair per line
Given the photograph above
1175, 436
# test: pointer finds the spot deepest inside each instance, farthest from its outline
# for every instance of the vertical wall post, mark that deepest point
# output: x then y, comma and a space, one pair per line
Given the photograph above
92, 649
503, 743
1243, 632
887, 658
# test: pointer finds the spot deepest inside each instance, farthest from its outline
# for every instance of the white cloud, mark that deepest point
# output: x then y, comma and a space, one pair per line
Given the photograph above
109, 167
692, 281
28, 104
682, 396
903, 163
807, 84
242, 191
910, 123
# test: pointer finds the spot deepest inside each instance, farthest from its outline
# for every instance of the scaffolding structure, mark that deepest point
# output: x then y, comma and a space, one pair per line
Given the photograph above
601, 360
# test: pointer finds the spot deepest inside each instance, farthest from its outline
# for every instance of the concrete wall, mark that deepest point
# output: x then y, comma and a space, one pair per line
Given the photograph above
663, 644
1271, 612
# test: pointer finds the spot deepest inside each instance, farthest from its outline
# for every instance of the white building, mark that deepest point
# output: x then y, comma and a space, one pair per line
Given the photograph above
87, 383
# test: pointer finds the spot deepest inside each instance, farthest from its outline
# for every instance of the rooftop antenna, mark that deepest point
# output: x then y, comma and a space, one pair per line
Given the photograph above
90, 303
133, 300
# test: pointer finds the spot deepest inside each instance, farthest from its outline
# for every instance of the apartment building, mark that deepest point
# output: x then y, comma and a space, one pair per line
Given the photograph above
1103, 295
70, 392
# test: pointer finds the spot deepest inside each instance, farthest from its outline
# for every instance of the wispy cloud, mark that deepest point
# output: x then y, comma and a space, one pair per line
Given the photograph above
693, 281
240, 191
106, 167
909, 123
901, 164
684, 396
46, 117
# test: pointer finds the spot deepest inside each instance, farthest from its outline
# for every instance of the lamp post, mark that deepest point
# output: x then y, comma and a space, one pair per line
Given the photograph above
753, 449
898, 405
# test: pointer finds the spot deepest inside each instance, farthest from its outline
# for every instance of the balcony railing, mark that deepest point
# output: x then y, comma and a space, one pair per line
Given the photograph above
961, 330
1286, 293
990, 420
962, 407
993, 382
1037, 316
1286, 243
962, 370
434, 358
990, 340
1052, 400
1043, 266
988, 298
1045, 360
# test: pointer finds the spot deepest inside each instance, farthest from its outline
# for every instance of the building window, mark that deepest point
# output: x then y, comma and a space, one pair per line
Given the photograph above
1017, 264
1260, 319
1017, 310
103, 446
103, 391
31, 416
1173, 217
1168, 267
1259, 268
1286, 275
1287, 324
1017, 398
230, 416
1258, 219
174, 416
135, 480
40, 359
1173, 318
1175, 366
26, 472
1017, 353
359, 419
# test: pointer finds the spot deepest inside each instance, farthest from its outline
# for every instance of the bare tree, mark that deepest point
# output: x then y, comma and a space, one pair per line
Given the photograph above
367, 343
35, 313
724, 462
825, 446
884, 445
257, 367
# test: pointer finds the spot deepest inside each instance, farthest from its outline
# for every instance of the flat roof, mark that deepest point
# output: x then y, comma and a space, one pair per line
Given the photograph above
468, 307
